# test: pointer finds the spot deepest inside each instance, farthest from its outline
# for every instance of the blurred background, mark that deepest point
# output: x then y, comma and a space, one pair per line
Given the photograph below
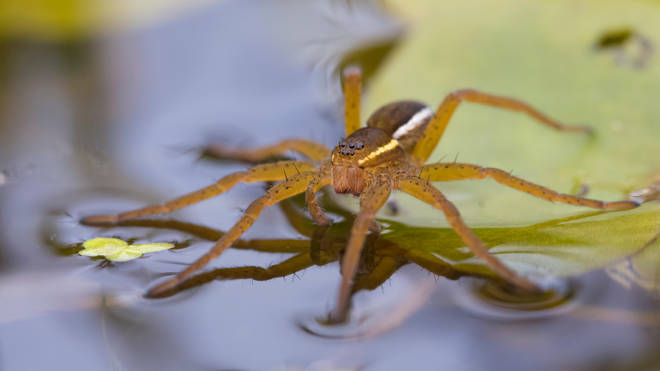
107, 106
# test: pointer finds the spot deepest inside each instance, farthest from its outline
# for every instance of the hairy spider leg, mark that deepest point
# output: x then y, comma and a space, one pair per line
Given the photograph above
423, 190
310, 149
294, 185
443, 114
312, 201
261, 173
352, 92
456, 171
371, 200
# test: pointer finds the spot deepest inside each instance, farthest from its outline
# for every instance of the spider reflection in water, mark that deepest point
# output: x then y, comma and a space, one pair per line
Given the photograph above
389, 153
324, 244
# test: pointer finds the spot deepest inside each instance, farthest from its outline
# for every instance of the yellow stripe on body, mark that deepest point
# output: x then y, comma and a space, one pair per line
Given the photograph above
379, 151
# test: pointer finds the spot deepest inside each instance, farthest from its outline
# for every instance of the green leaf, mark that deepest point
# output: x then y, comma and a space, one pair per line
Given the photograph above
558, 248
101, 246
517, 48
152, 247
118, 250
479, 45
124, 254
641, 269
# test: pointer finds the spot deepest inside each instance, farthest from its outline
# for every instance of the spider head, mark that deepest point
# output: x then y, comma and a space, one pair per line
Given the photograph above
366, 147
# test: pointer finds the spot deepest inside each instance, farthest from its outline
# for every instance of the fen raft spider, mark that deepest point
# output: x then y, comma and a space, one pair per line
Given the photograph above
388, 154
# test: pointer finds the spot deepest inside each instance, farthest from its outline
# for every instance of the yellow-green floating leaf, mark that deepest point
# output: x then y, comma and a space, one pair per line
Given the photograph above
118, 250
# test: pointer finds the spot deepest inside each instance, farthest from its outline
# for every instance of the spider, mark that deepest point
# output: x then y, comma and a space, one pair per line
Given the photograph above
388, 154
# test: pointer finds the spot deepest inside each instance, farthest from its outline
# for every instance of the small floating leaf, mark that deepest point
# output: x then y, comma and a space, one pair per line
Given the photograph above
152, 247
102, 246
118, 250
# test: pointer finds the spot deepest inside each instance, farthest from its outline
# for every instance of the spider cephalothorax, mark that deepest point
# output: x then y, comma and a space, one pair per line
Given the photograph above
390, 153
390, 135
365, 148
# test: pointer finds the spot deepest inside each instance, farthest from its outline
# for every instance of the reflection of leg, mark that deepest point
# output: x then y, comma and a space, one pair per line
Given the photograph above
260, 173
271, 246
424, 191
310, 149
285, 268
433, 264
383, 270
321, 246
457, 171
370, 202
294, 185
443, 114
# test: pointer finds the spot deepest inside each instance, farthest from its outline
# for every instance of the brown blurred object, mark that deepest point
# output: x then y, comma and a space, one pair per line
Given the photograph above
67, 20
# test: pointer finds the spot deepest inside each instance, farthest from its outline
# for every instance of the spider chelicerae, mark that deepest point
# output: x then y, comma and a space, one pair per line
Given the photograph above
388, 154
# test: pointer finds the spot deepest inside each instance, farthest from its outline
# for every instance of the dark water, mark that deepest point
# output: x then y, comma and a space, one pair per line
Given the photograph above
118, 122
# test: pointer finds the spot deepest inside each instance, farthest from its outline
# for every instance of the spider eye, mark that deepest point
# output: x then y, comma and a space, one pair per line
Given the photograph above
360, 145
351, 145
342, 145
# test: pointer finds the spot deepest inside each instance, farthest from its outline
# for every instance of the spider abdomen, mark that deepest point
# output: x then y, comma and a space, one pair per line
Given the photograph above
404, 121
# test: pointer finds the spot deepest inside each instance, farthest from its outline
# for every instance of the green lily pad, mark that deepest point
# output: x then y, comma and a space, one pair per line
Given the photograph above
502, 49
542, 53
117, 250
641, 269
557, 248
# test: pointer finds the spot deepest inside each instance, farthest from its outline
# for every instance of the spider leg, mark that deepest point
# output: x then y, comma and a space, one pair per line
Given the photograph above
312, 201
423, 190
443, 114
260, 173
310, 149
288, 188
457, 171
371, 200
352, 91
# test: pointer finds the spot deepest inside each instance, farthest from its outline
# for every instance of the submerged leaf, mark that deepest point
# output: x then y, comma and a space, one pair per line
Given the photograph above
558, 248
118, 250
641, 269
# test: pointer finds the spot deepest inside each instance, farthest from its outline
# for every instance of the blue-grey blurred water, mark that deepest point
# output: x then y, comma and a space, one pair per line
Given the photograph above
117, 121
